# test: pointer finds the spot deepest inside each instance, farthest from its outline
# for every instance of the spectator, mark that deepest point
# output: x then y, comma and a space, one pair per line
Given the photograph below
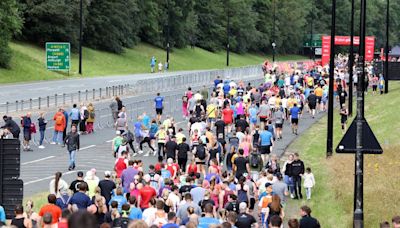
19, 220
51, 208
80, 199
306, 220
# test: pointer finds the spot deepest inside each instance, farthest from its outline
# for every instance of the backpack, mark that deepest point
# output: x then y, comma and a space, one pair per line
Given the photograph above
64, 202
59, 120
242, 196
92, 115
200, 152
86, 114
153, 182
254, 160
121, 222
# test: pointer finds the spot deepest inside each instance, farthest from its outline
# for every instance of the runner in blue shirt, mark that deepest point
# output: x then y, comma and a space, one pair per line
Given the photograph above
294, 113
266, 141
158, 101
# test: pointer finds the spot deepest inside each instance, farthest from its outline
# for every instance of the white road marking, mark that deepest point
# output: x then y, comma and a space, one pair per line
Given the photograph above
47, 178
37, 160
108, 141
87, 147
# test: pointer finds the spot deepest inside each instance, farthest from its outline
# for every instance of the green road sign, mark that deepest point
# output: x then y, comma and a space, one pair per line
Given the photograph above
58, 56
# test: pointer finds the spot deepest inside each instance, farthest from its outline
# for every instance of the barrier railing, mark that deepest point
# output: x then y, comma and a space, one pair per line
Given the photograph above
161, 84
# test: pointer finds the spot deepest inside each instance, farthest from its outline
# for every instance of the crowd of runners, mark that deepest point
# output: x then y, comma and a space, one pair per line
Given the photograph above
218, 170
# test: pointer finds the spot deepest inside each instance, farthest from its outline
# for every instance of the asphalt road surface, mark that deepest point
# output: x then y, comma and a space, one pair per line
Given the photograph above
14, 92
38, 167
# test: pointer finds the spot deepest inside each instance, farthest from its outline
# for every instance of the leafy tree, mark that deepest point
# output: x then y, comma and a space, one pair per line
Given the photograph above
111, 25
10, 23
51, 20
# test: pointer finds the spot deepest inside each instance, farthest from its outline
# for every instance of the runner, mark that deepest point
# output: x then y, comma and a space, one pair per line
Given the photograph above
73, 145
159, 106
294, 116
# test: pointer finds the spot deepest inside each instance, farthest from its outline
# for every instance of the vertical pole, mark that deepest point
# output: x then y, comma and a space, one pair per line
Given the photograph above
80, 36
359, 157
227, 32
273, 32
351, 60
311, 30
387, 49
168, 19
329, 141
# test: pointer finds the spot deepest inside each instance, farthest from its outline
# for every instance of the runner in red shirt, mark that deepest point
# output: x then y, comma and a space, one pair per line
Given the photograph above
159, 165
227, 116
146, 194
121, 163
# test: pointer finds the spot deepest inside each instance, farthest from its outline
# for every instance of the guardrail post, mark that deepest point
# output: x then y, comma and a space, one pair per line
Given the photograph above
55, 100
79, 96
22, 105
30, 103
40, 101
72, 98
86, 94
64, 98
48, 101
113, 90
6, 107
16, 105
100, 93
94, 94
122, 89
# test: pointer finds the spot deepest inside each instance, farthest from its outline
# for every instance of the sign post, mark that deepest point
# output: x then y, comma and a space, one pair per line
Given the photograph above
58, 56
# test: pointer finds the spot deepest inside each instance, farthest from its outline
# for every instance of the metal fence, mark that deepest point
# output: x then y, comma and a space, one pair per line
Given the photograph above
135, 106
161, 84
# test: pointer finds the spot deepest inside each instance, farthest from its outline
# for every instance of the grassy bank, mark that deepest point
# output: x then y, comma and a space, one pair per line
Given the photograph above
332, 200
28, 62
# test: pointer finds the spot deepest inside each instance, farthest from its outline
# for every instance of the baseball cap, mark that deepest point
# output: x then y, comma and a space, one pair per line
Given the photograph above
107, 173
267, 185
117, 132
80, 174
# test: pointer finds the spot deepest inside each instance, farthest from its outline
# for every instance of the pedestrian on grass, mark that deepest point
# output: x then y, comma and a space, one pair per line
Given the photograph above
343, 118
309, 182
153, 62
297, 171
73, 144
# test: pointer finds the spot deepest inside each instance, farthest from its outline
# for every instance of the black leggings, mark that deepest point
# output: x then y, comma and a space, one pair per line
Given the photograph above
161, 149
131, 146
146, 140
182, 163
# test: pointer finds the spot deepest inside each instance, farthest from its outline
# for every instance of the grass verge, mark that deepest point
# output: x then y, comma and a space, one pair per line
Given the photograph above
332, 199
28, 62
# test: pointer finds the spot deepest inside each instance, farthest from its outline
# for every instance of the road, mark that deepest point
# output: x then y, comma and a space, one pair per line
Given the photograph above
13, 92
38, 167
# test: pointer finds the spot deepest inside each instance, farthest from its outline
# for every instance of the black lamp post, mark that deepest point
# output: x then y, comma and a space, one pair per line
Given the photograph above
351, 60
227, 32
168, 22
80, 35
387, 49
273, 33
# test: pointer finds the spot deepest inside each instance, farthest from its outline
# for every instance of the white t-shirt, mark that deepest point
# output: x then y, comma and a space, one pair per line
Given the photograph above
149, 215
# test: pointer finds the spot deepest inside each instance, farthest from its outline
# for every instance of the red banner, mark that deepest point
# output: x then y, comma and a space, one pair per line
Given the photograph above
345, 41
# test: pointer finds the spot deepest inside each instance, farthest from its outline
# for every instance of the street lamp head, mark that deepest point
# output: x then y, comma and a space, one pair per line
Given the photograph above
273, 44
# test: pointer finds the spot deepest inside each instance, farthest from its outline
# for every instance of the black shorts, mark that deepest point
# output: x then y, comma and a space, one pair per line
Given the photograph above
374, 87
295, 121
278, 125
159, 111
27, 135
312, 106
265, 149
319, 99
263, 119
200, 163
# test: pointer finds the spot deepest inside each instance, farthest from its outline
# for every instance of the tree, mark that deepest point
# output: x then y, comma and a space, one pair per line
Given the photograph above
51, 20
112, 25
10, 23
